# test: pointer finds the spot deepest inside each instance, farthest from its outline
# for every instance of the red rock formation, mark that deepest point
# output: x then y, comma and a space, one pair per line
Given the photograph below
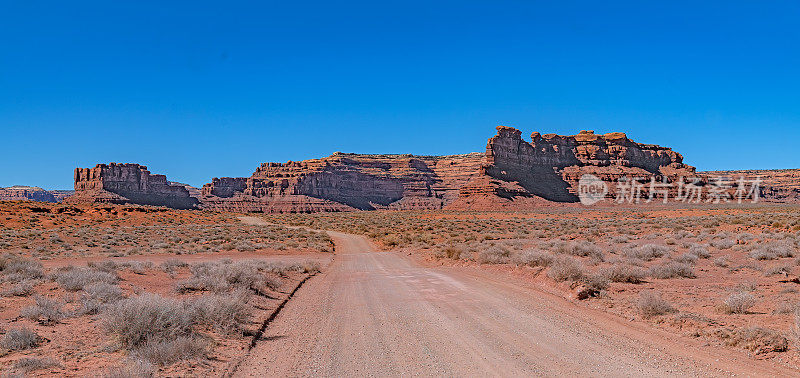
550, 166
128, 183
26, 193
345, 182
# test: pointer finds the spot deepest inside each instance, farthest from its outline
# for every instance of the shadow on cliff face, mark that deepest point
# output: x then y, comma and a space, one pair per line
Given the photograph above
354, 189
540, 181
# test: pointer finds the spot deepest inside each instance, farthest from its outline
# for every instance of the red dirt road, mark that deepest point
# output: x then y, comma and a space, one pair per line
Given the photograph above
379, 314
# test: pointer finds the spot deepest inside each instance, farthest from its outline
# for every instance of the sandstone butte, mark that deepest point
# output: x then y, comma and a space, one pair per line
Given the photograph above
128, 183
511, 174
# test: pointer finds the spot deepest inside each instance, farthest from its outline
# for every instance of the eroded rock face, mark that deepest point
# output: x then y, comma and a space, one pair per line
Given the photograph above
345, 182
550, 165
26, 193
128, 183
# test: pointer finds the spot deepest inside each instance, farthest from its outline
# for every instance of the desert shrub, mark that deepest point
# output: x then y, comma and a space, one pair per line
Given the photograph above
108, 266
699, 251
687, 258
584, 249
226, 313
647, 252
534, 258
778, 269
672, 270
44, 310
722, 261
137, 368
623, 273
738, 303
148, 317
756, 339
651, 304
137, 267
172, 265
595, 282
564, 268
19, 339
763, 254
167, 352
20, 289
98, 294
16, 269
223, 276
29, 364
493, 255
787, 308
723, 243
74, 279
453, 252
773, 251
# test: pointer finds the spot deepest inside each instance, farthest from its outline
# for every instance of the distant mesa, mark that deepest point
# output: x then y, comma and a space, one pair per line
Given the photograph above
512, 173
128, 183
26, 193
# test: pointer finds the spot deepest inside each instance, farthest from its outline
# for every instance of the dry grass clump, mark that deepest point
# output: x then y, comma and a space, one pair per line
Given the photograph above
45, 310
136, 368
533, 258
163, 330
647, 252
773, 251
167, 352
223, 276
172, 265
18, 269
97, 295
494, 255
623, 273
19, 339
148, 317
738, 303
21, 289
672, 269
651, 304
583, 249
226, 313
29, 364
565, 268
73, 278
756, 339
784, 269
723, 243
722, 261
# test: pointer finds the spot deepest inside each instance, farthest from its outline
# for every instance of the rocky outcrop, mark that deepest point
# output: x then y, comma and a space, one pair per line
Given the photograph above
550, 166
777, 185
26, 193
128, 183
345, 182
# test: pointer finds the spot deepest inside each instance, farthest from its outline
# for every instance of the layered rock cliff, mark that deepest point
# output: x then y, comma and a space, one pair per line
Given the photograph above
26, 193
345, 182
128, 183
512, 172
550, 166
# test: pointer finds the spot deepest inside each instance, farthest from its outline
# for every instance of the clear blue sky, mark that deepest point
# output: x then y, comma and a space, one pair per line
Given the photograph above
202, 89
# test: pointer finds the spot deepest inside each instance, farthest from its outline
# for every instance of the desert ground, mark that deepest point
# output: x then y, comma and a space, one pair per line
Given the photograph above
122, 290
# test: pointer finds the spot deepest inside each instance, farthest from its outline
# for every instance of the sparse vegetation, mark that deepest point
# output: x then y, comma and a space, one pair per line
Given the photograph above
651, 304
738, 303
20, 338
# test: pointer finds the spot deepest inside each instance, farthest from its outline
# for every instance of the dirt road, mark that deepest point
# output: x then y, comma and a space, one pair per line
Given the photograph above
379, 314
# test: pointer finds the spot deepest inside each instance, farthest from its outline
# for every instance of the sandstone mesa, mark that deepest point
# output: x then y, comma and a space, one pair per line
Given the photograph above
512, 173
